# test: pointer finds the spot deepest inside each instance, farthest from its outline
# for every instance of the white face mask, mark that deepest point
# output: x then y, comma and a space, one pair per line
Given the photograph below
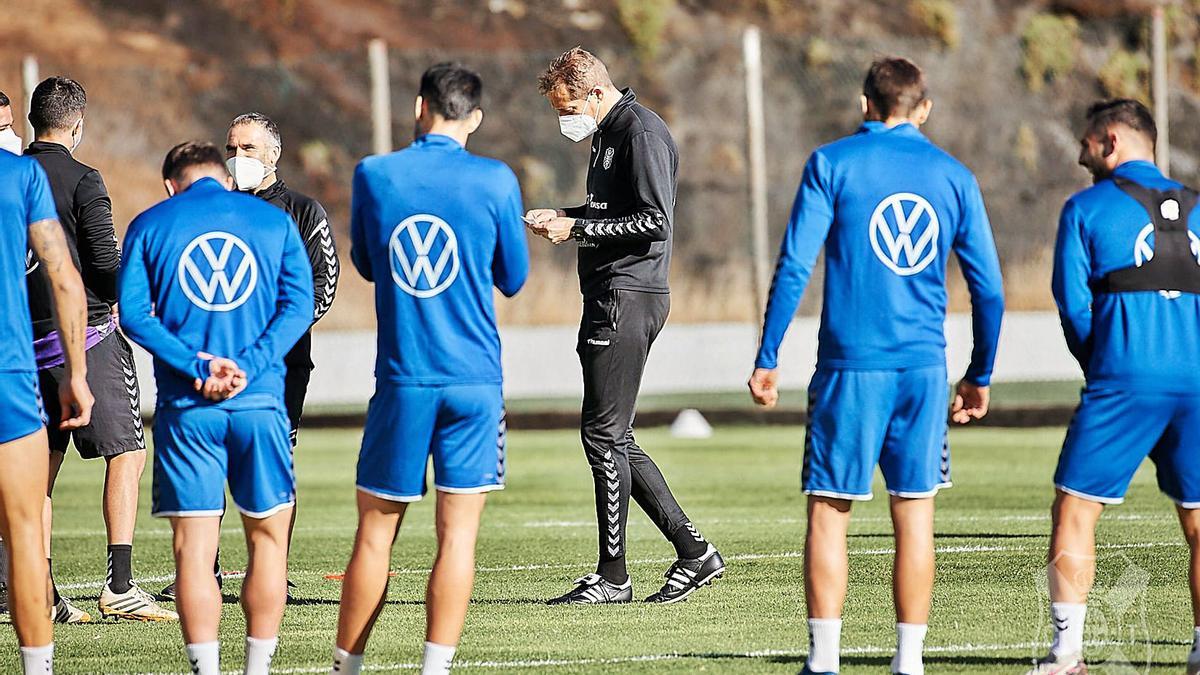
248, 173
10, 141
578, 127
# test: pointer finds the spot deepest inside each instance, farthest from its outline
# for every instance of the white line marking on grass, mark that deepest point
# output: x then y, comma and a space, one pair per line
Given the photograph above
348, 530
966, 648
780, 555
1166, 517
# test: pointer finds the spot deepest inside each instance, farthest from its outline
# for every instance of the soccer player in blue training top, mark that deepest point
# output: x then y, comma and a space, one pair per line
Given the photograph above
1127, 284
435, 228
217, 286
29, 221
888, 206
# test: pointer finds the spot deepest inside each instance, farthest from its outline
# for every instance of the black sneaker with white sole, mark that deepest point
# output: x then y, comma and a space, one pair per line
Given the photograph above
594, 589
168, 593
687, 575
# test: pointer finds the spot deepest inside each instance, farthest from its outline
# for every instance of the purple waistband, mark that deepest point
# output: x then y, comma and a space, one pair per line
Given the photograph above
48, 352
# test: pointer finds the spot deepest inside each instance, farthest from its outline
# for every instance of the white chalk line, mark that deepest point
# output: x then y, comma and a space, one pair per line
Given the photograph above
736, 557
543, 524
865, 650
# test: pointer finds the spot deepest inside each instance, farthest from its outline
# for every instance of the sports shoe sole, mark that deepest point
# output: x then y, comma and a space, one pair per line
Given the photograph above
130, 616
701, 584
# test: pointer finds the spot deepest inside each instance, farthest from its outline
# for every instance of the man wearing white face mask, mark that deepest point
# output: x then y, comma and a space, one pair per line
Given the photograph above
56, 113
252, 149
624, 238
9, 140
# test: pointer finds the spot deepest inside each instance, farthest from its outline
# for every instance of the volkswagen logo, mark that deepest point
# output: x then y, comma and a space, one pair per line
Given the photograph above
1143, 248
423, 252
218, 272
904, 233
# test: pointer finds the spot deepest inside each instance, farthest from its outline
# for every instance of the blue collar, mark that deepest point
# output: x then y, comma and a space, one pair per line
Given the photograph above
875, 127
206, 184
1137, 168
437, 141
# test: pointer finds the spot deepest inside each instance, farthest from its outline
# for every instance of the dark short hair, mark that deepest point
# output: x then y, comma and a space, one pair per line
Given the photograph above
262, 120
451, 90
4, 102
188, 155
576, 69
1133, 114
894, 86
57, 104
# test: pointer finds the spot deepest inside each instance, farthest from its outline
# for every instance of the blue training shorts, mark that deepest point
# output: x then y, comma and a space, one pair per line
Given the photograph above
461, 426
196, 450
895, 419
21, 411
1113, 431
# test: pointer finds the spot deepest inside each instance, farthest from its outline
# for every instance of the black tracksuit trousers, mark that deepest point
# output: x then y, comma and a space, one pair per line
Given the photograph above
615, 336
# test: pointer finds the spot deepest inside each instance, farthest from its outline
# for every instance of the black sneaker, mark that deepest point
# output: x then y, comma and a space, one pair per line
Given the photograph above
168, 593
594, 589
687, 575
3, 598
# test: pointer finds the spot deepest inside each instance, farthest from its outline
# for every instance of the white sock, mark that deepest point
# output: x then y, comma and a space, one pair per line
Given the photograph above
38, 660
345, 663
437, 659
824, 645
259, 653
1068, 628
205, 657
910, 643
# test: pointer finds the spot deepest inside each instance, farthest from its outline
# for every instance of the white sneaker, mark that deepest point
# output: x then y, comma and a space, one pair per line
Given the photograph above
134, 604
65, 612
1059, 665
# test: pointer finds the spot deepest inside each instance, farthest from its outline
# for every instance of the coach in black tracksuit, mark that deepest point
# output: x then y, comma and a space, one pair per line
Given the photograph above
253, 147
624, 234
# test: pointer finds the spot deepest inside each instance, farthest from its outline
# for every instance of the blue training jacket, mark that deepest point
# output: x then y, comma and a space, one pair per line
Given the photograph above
888, 206
25, 199
436, 227
219, 272
1145, 340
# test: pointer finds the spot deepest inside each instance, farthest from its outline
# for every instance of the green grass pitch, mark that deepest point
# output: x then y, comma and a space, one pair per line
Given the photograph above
741, 488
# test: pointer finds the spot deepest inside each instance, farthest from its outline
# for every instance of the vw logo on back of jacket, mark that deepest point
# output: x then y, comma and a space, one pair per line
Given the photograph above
218, 272
904, 233
423, 255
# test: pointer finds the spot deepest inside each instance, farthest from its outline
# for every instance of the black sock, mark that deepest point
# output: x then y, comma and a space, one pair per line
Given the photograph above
120, 568
688, 542
613, 570
53, 586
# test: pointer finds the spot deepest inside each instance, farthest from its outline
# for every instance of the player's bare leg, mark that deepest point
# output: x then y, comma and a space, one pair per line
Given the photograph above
22, 498
1071, 572
826, 570
1072, 567
912, 579
64, 611
912, 574
453, 575
1189, 519
122, 475
121, 598
365, 585
198, 597
264, 592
